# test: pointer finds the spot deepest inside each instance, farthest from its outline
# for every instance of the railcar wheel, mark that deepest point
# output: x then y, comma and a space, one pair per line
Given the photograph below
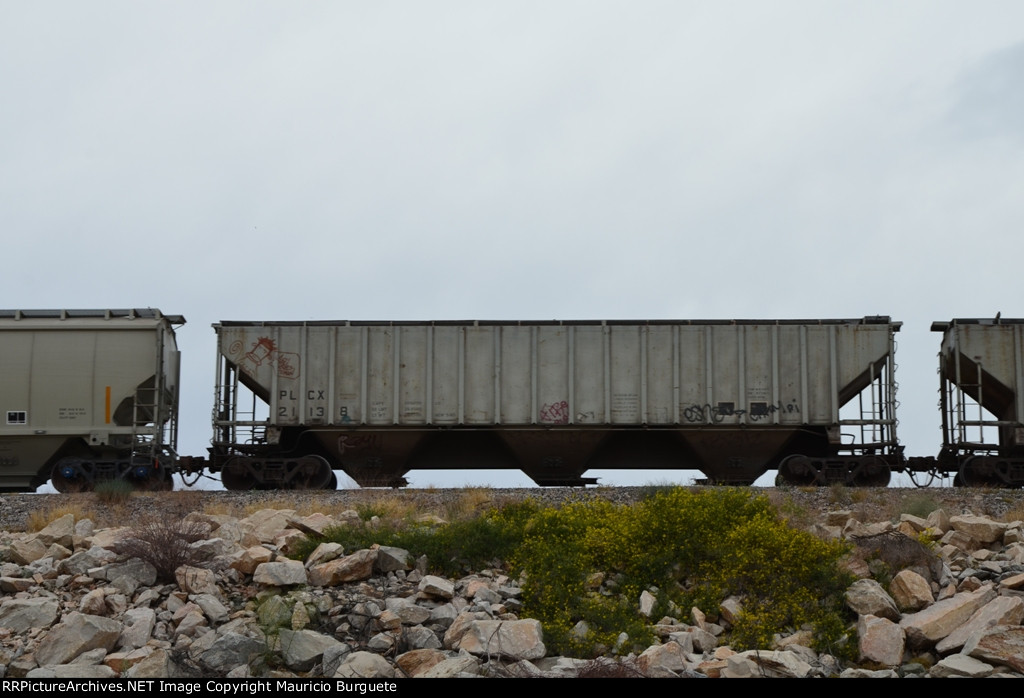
149, 476
68, 477
798, 471
236, 475
309, 473
982, 471
874, 473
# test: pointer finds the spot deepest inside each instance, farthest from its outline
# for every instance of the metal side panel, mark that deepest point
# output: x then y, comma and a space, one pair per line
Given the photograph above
477, 372
588, 398
518, 395
446, 393
727, 373
627, 374
349, 375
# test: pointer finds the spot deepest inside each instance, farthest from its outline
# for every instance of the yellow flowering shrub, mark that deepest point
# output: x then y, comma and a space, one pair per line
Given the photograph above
690, 548
787, 579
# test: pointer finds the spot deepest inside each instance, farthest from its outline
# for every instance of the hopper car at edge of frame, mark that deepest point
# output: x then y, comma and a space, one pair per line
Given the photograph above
92, 395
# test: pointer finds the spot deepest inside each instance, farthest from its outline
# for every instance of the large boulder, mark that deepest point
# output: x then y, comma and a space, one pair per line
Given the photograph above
78, 633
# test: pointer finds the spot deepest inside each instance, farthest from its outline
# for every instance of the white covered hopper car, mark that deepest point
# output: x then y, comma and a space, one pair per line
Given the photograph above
981, 373
87, 396
733, 399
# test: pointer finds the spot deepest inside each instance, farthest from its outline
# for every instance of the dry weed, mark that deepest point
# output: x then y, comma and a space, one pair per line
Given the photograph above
41, 518
1014, 513
860, 495
253, 507
388, 508
319, 504
220, 508
189, 500
919, 504
165, 541
471, 502
839, 494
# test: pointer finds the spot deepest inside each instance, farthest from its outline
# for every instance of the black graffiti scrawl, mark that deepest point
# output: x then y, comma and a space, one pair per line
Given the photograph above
716, 413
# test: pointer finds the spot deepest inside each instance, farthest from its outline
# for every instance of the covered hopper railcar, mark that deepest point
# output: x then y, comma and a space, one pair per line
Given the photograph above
981, 373
87, 396
814, 399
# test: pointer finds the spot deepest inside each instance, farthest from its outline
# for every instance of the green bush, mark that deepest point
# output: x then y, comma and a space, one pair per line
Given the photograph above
452, 548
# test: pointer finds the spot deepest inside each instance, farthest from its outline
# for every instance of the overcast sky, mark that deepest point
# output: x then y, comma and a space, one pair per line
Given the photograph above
516, 160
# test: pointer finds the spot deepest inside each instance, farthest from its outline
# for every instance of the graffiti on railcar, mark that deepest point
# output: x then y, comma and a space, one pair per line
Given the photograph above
555, 413
717, 413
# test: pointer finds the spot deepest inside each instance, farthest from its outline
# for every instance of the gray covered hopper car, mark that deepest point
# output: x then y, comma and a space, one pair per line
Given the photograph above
981, 369
814, 399
87, 395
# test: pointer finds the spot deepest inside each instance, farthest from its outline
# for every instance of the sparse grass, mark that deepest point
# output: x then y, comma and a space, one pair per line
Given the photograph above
302, 503
314, 505
1014, 513
452, 548
190, 500
113, 491
220, 508
792, 511
470, 503
839, 494
919, 505
41, 518
387, 508
650, 489
860, 495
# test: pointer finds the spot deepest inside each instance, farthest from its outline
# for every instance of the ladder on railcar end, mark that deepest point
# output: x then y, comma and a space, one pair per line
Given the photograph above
233, 425
957, 403
875, 429
154, 427
154, 424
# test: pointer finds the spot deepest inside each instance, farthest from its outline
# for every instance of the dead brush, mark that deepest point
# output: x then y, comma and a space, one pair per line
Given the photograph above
166, 542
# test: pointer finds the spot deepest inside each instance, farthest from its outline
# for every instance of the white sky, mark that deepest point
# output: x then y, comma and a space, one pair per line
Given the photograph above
516, 160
